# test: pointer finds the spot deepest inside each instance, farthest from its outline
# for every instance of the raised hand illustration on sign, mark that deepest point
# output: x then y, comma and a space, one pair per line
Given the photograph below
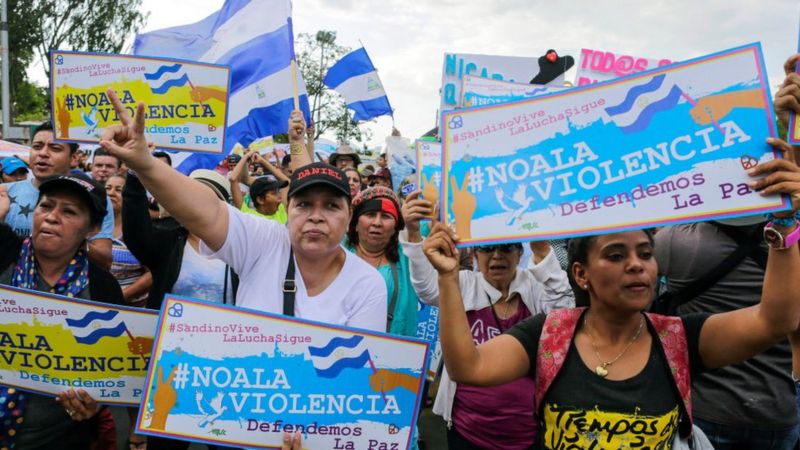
463, 206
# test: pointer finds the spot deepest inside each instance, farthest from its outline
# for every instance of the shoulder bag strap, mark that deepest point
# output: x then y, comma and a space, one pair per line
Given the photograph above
289, 287
668, 303
393, 301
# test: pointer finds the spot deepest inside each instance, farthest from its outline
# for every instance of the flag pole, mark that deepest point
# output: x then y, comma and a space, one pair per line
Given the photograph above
295, 93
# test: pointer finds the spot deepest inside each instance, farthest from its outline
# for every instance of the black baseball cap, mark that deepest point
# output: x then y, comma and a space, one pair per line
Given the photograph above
318, 174
91, 191
266, 183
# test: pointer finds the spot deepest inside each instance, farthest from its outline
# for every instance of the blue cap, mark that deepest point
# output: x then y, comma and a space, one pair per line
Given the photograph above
12, 164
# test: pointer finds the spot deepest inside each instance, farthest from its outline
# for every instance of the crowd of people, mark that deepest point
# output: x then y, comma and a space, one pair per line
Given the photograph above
546, 353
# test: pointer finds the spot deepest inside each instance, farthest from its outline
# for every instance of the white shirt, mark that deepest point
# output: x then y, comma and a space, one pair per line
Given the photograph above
202, 278
258, 250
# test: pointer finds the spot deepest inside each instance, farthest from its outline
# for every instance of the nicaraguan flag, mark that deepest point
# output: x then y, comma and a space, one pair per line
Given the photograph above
166, 77
96, 325
356, 79
339, 354
255, 39
644, 101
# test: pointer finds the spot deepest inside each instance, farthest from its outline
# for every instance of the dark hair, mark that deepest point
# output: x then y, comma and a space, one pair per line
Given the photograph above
578, 251
48, 126
102, 152
392, 251
287, 159
160, 154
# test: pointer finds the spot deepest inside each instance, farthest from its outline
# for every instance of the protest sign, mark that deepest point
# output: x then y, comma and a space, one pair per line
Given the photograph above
597, 65
477, 91
661, 147
429, 169
793, 133
50, 343
247, 377
185, 102
428, 330
507, 68
402, 158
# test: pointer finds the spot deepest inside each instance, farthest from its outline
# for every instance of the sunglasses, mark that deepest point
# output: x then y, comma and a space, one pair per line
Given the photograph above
502, 248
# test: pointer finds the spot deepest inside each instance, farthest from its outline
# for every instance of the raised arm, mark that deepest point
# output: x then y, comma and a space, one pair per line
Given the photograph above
545, 268
236, 176
497, 361
734, 336
191, 203
297, 147
421, 272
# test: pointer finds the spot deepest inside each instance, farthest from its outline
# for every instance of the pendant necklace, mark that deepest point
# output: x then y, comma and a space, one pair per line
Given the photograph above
602, 369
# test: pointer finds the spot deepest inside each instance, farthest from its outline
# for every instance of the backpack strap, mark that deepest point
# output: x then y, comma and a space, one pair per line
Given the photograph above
672, 336
557, 332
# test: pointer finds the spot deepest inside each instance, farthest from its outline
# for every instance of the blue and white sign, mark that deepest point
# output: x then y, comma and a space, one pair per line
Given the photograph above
429, 169
666, 146
245, 377
477, 91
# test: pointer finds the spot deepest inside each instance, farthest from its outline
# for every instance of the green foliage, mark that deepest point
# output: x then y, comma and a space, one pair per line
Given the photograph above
37, 26
315, 55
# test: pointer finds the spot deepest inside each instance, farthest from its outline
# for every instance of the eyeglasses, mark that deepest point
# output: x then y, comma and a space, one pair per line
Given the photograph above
502, 248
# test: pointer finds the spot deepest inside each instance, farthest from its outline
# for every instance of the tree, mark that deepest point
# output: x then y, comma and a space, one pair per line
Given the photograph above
315, 55
37, 26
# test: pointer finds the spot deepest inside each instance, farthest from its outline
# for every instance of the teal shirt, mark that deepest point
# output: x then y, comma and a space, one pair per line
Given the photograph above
404, 320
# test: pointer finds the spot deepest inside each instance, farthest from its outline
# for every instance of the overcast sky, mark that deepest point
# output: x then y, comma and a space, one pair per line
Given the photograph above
406, 39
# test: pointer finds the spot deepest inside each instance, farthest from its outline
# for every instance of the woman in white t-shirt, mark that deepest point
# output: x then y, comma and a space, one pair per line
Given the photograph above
332, 285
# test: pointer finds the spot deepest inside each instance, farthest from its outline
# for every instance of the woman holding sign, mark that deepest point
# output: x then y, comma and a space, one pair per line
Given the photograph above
53, 259
495, 298
609, 374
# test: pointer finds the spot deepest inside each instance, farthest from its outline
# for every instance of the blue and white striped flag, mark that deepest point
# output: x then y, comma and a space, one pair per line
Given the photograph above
339, 354
96, 325
356, 79
254, 38
166, 77
644, 101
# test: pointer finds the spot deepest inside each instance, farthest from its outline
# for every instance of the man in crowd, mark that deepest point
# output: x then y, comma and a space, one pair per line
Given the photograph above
13, 169
267, 197
104, 166
345, 157
383, 167
48, 158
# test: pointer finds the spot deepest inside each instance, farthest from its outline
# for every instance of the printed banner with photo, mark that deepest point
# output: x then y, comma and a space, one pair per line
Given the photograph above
185, 102
597, 65
666, 146
429, 169
246, 377
477, 91
507, 68
50, 343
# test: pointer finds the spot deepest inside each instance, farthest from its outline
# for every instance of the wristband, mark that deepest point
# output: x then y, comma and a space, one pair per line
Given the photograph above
784, 221
779, 241
296, 149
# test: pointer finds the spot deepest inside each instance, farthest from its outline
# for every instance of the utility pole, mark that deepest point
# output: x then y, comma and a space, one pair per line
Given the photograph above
6, 105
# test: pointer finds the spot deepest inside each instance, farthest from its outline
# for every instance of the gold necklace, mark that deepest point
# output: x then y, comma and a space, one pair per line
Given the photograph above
505, 315
602, 369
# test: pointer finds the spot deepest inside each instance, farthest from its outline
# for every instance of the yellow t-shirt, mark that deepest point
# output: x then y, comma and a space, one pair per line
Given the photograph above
279, 215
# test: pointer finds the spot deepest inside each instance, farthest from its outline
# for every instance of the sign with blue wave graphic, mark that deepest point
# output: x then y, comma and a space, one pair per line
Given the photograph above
50, 343
244, 378
186, 103
666, 146
429, 169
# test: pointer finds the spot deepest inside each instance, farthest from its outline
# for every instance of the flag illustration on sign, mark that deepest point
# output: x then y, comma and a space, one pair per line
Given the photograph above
166, 77
96, 325
339, 354
643, 102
